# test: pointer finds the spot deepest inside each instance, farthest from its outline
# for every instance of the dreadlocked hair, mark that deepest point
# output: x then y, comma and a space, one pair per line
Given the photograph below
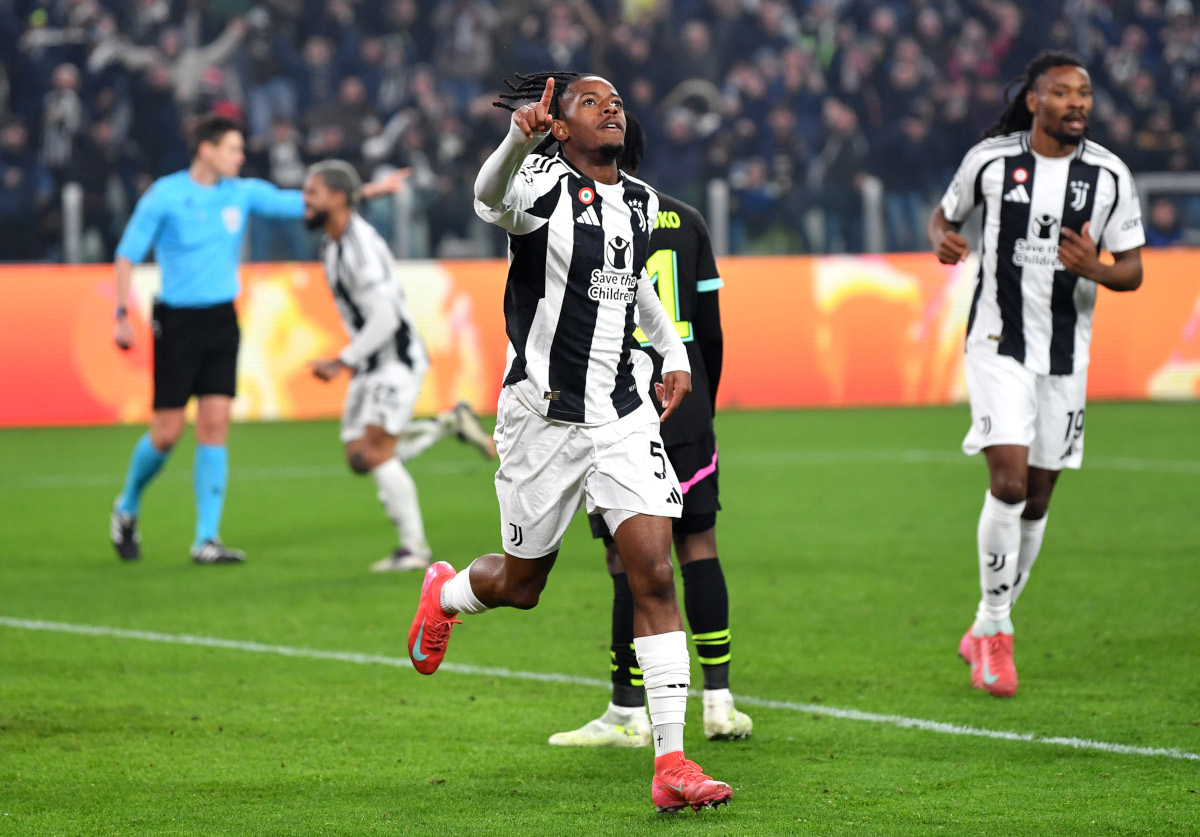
530, 86
1016, 116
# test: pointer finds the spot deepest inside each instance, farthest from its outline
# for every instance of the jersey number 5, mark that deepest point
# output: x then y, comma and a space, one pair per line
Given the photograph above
663, 267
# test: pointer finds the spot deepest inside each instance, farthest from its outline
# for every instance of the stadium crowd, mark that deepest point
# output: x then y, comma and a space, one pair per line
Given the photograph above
793, 103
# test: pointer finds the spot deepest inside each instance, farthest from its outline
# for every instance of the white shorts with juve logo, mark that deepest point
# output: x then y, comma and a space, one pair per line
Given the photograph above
384, 397
548, 469
1011, 405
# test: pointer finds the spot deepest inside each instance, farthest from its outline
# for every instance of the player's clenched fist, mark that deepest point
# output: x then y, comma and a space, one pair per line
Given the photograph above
953, 248
123, 334
535, 118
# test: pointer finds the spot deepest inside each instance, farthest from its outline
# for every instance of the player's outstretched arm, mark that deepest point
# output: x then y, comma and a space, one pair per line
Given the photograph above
1079, 255
326, 369
948, 245
530, 124
389, 184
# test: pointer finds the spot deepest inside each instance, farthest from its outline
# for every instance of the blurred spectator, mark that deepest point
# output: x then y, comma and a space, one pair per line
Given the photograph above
27, 188
107, 170
905, 159
790, 103
158, 122
62, 118
185, 64
278, 158
318, 76
1162, 226
678, 159
338, 128
756, 207
836, 178
270, 67
464, 58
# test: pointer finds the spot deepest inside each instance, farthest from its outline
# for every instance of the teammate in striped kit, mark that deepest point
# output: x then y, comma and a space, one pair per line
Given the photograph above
682, 265
573, 423
386, 357
195, 220
1049, 195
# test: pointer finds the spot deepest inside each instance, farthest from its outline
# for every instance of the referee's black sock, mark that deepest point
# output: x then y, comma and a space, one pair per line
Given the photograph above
627, 688
706, 600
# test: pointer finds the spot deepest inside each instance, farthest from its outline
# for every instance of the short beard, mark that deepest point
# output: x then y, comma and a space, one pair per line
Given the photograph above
317, 221
612, 151
1063, 138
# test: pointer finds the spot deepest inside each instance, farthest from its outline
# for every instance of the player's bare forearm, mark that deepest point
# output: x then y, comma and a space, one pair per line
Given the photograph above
123, 269
947, 244
123, 332
1125, 274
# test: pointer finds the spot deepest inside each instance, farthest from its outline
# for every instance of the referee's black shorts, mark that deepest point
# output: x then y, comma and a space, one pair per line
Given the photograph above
695, 465
195, 353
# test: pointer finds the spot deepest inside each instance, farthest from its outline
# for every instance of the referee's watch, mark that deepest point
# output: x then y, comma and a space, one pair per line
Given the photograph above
121, 311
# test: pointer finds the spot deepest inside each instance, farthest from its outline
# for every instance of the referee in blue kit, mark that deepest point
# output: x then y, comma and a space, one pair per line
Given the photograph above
195, 220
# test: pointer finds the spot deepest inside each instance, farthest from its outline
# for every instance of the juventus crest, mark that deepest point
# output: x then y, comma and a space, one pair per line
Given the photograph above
1079, 193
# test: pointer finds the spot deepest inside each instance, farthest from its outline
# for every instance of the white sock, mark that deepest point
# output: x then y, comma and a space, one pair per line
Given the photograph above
419, 436
458, 597
999, 538
1032, 532
398, 493
666, 672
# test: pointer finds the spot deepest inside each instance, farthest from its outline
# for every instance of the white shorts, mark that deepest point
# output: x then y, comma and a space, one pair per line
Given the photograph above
549, 468
384, 397
1012, 405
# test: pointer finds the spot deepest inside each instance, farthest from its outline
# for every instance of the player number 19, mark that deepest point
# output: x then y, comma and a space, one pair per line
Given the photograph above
1074, 424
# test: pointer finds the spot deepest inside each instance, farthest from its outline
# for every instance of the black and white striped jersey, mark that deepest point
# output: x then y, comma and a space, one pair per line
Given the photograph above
362, 276
576, 289
1026, 305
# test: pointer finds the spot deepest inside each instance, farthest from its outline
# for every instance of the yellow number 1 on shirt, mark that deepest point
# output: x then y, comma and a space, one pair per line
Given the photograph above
663, 269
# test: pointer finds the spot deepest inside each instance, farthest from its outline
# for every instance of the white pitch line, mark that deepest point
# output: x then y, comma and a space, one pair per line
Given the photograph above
846, 457
487, 671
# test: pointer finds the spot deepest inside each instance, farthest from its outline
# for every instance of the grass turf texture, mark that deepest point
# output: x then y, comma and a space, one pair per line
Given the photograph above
848, 543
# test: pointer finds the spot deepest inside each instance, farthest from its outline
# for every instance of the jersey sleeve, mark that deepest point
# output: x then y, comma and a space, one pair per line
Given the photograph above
382, 320
269, 200
369, 284
526, 205
1124, 229
658, 327
960, 197
527, 181
143, 226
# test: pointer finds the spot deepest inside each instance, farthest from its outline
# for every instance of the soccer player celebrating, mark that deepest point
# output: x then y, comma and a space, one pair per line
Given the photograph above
1049, 195
195, 220
386, 356
573, 422
681, 258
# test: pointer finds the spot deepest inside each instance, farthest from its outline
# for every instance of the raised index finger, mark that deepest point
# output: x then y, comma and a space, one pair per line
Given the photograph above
548, 93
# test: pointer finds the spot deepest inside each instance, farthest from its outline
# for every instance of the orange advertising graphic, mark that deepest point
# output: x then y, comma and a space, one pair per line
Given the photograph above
799, 332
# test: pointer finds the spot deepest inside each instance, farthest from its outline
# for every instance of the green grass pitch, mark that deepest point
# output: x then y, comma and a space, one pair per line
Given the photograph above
848, 542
